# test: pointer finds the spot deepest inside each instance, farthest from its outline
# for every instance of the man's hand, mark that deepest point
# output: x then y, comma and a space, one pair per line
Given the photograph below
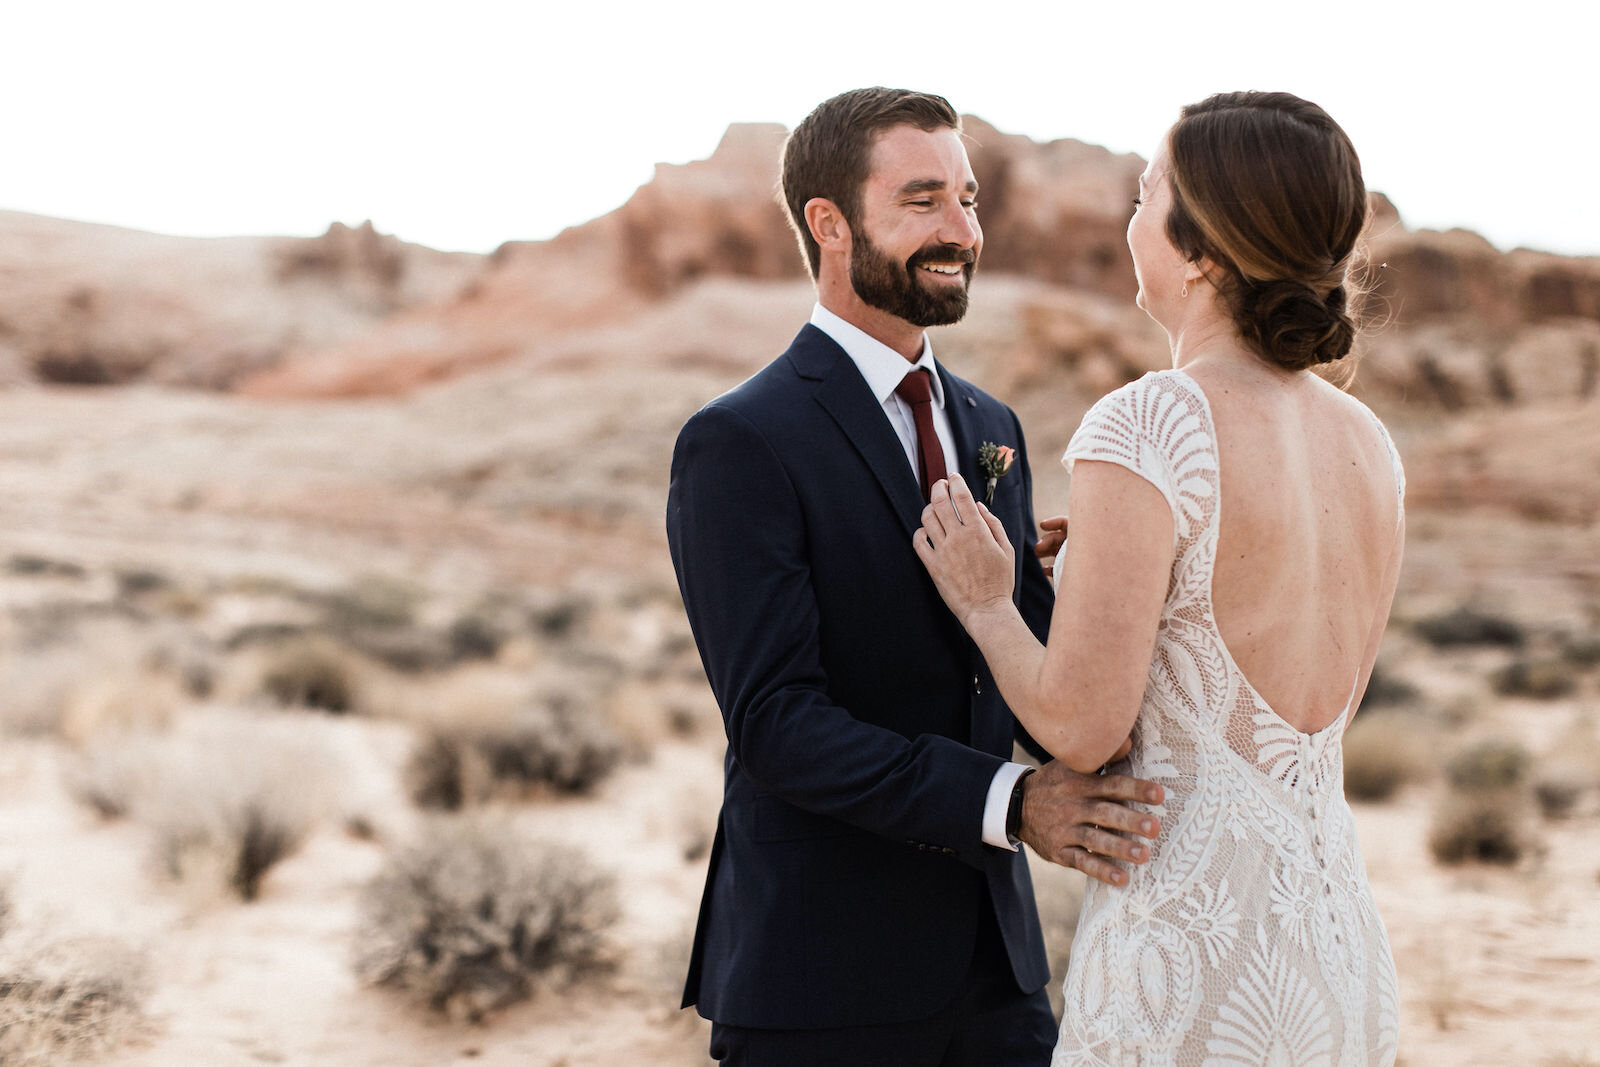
1085, 820
1052, 535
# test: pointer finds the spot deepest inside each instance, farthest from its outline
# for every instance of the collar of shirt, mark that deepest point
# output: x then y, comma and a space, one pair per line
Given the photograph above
880, 365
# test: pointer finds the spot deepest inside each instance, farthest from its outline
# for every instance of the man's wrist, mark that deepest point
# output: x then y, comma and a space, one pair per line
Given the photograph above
996, 802
1014, 809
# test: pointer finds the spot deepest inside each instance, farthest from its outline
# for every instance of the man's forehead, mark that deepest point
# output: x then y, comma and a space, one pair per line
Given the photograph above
908, 154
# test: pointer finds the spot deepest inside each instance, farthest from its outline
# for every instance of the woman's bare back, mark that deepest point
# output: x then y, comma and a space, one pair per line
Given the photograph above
1308, 551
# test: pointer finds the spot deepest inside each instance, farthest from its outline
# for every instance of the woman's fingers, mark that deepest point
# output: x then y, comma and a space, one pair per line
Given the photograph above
996, 527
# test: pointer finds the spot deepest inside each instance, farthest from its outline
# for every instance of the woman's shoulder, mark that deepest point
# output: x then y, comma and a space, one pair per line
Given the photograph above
1157, 387
1157, 424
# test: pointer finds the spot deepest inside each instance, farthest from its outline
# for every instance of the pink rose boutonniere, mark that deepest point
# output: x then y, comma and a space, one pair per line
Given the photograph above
993, 462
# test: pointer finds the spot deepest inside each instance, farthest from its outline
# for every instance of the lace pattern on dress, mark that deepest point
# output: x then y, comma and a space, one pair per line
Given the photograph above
1250, 936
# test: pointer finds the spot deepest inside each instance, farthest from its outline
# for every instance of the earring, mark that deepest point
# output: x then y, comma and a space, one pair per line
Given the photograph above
1185, 293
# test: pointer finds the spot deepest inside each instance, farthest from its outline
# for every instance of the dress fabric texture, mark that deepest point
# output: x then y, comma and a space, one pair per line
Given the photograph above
1251, 935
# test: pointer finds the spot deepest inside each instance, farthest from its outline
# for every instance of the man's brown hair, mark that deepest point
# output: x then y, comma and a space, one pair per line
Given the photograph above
830, 153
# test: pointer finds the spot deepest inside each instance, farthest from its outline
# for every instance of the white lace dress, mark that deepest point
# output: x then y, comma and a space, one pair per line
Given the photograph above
1250, 936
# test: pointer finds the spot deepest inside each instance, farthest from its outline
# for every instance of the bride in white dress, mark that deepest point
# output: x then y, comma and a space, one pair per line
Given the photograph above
1237, 526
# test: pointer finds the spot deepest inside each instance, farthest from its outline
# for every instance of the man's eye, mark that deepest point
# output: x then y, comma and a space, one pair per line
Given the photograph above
922, 203
1137, 201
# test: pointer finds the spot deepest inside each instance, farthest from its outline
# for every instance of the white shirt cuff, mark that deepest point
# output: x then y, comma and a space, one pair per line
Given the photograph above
995, 807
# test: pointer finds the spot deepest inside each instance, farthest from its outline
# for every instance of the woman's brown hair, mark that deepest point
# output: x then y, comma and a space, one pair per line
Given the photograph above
1268, 188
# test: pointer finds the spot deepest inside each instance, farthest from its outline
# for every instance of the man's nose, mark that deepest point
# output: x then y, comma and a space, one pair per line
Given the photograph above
959, 227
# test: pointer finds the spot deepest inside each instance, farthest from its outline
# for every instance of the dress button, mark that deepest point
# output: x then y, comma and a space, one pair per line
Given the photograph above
977, 687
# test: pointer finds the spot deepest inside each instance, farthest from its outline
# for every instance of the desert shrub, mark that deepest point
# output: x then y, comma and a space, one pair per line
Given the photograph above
98, 679
237, 844
66, 999
1545, 678
1380, 755
1387, 689
548, 744
42, 566
1581, 650
115, 773
377, 617
1558, 787
475, 636
1486, 827
1493, 764
559, 617
311, 673
372, 602
225, 799
1469, 626
138, 581
475, 913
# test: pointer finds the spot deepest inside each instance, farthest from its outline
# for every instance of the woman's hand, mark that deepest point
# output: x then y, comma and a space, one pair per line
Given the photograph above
1052, 535
965, 549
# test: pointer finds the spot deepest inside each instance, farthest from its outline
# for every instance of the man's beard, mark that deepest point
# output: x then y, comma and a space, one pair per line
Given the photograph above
889, 286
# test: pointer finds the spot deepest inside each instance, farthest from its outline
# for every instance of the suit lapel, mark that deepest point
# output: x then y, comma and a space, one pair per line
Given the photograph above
961, 407
844, 395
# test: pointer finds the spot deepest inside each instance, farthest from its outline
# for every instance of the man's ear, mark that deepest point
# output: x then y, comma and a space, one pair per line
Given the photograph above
827, 224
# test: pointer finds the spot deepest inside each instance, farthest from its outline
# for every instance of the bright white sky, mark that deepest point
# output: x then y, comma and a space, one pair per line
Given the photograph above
463, 124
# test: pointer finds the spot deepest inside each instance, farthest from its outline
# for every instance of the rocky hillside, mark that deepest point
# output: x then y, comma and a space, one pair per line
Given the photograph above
89, 304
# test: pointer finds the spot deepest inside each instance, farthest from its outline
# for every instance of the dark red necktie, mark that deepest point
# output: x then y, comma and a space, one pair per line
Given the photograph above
915, 389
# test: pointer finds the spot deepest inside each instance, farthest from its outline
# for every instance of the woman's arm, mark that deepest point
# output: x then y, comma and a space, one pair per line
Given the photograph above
1078, 696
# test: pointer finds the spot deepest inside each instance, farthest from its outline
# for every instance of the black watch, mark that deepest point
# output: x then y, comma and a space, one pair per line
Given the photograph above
1014, 809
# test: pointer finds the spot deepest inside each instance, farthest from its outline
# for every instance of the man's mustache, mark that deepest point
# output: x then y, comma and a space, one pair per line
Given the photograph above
942, 254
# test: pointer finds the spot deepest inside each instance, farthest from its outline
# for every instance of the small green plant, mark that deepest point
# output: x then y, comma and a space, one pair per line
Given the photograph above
474, 913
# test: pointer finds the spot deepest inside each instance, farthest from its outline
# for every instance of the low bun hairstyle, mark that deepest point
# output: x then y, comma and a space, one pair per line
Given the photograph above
1268, 188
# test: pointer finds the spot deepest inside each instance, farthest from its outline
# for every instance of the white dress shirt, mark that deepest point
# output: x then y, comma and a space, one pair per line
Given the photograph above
884, 369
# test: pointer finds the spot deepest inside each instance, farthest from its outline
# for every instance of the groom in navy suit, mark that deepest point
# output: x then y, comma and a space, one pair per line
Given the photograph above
866, 902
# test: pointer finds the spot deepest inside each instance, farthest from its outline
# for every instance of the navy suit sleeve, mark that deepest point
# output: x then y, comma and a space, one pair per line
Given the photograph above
1036, 598
739, 546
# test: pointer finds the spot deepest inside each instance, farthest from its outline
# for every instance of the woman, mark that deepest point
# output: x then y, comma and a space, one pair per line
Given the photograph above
1236, 538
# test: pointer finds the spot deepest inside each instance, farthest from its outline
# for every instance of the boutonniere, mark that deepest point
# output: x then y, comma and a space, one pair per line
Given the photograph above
993, 463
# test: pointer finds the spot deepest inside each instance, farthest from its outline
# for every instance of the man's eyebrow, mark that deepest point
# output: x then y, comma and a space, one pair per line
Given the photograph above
930, 185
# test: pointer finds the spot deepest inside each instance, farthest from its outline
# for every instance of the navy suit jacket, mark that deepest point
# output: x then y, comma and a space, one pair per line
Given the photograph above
848, 869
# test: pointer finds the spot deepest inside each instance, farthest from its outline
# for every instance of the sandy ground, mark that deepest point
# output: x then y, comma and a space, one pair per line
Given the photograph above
1497, 966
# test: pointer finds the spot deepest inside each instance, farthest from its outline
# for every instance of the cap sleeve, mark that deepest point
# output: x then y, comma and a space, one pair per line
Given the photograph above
1115, 431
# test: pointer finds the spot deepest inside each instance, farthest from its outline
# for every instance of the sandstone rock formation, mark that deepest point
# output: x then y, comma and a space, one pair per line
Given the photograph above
89, 304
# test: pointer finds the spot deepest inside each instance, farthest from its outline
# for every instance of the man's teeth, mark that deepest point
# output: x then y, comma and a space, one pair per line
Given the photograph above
941, 269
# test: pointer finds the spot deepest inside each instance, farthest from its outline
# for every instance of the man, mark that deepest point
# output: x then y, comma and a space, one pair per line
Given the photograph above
865, 902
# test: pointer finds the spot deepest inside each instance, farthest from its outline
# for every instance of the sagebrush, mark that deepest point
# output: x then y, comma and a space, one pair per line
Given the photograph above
475, 913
